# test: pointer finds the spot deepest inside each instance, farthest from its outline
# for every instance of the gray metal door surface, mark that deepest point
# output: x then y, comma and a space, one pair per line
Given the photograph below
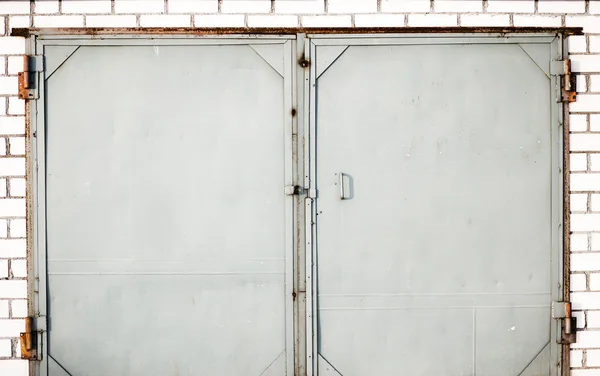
438, 205
165, 227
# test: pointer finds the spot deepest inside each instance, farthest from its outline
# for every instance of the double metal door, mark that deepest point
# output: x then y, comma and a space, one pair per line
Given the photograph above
297, 205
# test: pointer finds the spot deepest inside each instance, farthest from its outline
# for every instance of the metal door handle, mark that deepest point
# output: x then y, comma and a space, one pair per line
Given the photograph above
341, 177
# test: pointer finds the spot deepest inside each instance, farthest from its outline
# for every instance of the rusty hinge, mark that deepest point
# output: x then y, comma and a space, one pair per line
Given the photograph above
562, 311
562, 68
28, 78
29, 340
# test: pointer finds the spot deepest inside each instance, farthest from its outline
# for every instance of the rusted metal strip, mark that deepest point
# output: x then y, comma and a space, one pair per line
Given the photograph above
27, 340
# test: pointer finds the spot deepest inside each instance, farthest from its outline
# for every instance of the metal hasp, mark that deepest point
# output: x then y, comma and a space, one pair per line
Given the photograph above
569, 80
562, 310
28, 341
28, 78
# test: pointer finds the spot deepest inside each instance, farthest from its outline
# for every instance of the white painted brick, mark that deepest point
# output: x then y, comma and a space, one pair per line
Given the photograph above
576, 358
594, 43
585, 142
578, 282
432, 20
12, 125
3, 223
3, 109
230, 20
585, 262
18, 21
2, 147
12, 45
536, 21
12, 247
577, 123
580, 316
14, 367
595, 83
595, 246
18, 308
584, 372
484, 20
511, 6
12, 208
193, 6
16, 289
17, 228
273, 21
14, 7
300, 6
17, 187
593, 358
15, 64
58, 21
561, 6
581, 83
2, 188
595, 281
326, 21
46, 6
594, 122
3, 269
577, 43
593, 319
110, 21
12, 166
2, 64
248, 6
86, 6
579, 300
585, 63
17, 145
578, 162
139, 6
590, 24
163, 20
5, 347
352, 6
457, 6
16, 106
594, 7
392, 20
405, 6
579, 202
595, 203
9, 85
586, 103
18, 268
595, 162
584, 222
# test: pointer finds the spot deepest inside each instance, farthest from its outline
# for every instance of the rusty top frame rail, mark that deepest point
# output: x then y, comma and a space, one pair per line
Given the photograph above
102, 31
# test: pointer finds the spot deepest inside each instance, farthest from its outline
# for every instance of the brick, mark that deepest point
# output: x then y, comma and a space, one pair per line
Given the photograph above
111, 21
352, 6
511, 6
585, 142
165, 21
584, 222
19, 22
18, 308
594, 43
3, 108
590, 24
484, 20
579, 300
594, 122
595, 83
457, 6
272, 21
2, 146
392, 20
86, 6
12, 45
595, 203
576, 358
581, 83
326, 21
432, 20
16, 106
14, 367
14, 7
594, 7
3, 269
248, 6
18, 268
580, 315
593, 319
300, 6
12, 166
17, 187
58, 21
595, 244
9, 85
586, 103
595, 162
577, 123
595, 281
564, 7
405, 6
15, 64
585, 63
577, 43
13, 289
593, 358
3, 225
578, 282
191, 6
232, 20
137, 6
5, 348
12, 208
578, 162
585, 261
536, 21
584, 372
17, 228
46, 6
11, 328
12, 247
579, 203
2, 188
17, 145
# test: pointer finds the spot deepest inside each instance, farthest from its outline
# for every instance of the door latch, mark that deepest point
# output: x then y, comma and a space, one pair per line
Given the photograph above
562, 311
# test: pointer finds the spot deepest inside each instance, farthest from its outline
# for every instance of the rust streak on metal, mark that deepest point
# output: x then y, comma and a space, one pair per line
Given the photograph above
27, 348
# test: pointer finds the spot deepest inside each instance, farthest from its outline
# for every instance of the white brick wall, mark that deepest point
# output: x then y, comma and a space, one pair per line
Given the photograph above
584, 120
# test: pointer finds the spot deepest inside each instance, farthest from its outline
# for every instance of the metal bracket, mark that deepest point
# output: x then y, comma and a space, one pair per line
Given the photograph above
568, 92
28, 78
29, 340
562, 311
294, 190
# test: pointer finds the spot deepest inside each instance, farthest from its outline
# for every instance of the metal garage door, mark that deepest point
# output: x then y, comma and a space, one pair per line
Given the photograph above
169, 237
437, 213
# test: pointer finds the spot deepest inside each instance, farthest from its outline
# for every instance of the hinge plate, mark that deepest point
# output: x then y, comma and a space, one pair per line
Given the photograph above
29, 340
562, 311
28, 84
568, 88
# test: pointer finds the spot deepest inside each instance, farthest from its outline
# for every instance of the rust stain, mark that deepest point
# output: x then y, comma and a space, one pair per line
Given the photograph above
27, 341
